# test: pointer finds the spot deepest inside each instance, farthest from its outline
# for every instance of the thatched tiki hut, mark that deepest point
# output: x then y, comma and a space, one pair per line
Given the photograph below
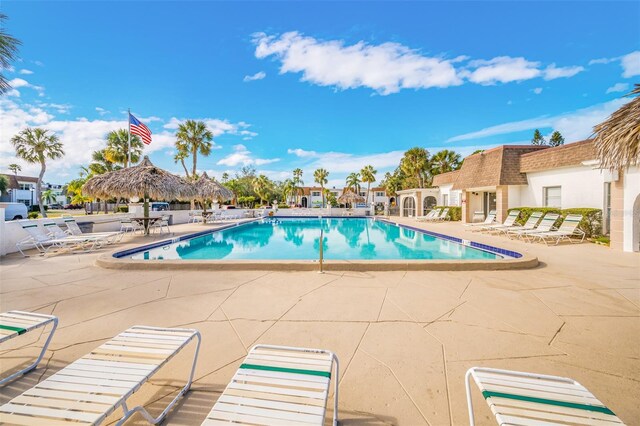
143, 181
206, 189
617, 139
350, 197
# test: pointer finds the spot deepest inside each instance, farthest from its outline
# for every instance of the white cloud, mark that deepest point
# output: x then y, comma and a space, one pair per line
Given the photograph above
302, 153
17, 83
602, 61
537, 90
218, 127
502, 69
257, 76
386, 68
39, 63
59, 108
241, 156
26, 72
552, 72
102, 111
574, 125
618, 87
631, 64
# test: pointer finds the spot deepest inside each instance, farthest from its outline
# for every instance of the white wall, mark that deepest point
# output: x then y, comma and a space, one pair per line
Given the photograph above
581, 186
454, 195
631, 192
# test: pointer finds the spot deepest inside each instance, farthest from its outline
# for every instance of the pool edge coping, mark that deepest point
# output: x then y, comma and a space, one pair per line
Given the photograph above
520, 261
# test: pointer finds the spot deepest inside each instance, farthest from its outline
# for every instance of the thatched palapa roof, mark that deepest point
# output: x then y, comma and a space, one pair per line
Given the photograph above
350, 197
207, 189
617, 139
141, 180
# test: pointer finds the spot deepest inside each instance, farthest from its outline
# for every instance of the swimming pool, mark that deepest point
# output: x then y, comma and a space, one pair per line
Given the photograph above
299, 239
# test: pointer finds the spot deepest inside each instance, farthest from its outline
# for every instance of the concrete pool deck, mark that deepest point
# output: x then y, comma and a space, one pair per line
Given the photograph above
404, 338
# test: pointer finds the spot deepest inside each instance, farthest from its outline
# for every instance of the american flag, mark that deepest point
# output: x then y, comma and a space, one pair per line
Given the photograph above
138, 128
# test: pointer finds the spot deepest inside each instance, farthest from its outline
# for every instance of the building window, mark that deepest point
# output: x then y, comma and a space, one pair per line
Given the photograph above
363, 194
315, 194
551, 196
409, 206
445, 199
428, 204
24, 186
379, 194
25, 202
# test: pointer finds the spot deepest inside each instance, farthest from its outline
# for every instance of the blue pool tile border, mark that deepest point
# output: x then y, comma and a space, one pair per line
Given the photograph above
479, 246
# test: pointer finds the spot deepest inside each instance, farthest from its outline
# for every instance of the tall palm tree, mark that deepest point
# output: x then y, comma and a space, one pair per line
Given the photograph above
353, 182
182, 153
8, 53
445, 161
288, 189
320, 177
15, 168
297, 181
415, 165
35, 145
117, 150
100, 164
368, 174
195, 138
262, 186
617, 139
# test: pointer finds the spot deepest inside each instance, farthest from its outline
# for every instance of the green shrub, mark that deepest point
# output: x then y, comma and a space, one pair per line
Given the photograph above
455, 213
33, 215
123, 209
36, 208
591, 222
283, 206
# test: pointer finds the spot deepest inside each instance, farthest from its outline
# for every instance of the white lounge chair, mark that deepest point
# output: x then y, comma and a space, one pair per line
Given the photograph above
17, 323
43, 242
443, 215
567, 229
279, 385
490, 219
93, 387
518, 398
55, 231
74, 229
162, 224
531, 223
545, 225
195, 216
127, 225
508, 222
433, 213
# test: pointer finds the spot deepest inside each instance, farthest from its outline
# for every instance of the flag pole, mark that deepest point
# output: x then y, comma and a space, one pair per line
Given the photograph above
129, 140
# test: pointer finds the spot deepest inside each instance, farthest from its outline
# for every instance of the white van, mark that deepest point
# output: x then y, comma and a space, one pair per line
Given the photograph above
14, 211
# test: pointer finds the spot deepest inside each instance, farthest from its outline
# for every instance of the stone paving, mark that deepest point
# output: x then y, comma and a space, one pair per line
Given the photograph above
404, 339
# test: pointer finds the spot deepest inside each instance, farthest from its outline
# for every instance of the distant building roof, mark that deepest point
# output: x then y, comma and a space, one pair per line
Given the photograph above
572, 154
445, 178
493, 167
13, 180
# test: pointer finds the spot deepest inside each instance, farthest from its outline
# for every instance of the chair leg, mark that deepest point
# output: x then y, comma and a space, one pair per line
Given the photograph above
469, 400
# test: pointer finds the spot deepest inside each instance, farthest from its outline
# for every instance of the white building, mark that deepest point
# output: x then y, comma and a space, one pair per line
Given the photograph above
311, 196
22, 189
567, 176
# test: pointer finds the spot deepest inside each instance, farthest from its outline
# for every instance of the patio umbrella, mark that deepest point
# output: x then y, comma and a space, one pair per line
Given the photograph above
206, 189
617, 139
350, 197
143, 180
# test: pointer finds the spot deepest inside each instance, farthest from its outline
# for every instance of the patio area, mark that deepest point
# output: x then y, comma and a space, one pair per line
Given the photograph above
404, 339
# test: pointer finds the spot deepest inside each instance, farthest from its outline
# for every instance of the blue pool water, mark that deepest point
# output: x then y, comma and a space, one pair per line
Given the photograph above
299, 239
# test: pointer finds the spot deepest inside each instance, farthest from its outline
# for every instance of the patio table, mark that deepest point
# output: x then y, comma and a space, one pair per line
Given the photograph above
146, 222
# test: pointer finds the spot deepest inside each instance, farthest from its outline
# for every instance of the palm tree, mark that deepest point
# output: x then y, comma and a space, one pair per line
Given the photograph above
48, 196
415, 165
444, 161
262, 186
182, 154
297, 181
195, 138
100, 163
225, 177
288, 189
35, 145
8, 52
353, 182
15, 168
368, 174
117, 150
617, 139
320, 177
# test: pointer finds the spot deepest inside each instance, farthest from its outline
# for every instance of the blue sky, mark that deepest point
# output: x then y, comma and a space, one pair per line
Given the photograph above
316, 84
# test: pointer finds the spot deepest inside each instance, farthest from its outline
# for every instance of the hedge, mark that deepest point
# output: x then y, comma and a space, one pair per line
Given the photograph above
123, 209
591, 222
455, 213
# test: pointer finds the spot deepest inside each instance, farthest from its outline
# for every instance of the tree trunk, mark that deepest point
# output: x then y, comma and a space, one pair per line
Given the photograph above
43, 168
368, 189
184, 166
322, 189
